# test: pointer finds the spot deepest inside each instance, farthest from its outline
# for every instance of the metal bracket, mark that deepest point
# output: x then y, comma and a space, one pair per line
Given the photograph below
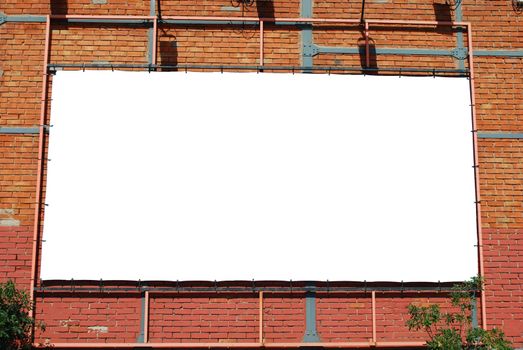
474, 310
310, 50
460, 53
3, 18
141, 335
311, 333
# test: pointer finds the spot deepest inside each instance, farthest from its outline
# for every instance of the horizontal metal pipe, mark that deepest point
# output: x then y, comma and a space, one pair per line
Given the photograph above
425, 23
230, 345
200, 22
319, 20
159, 290
297, 69
236, 18
500, 135
19, 130
26, 19
385, 51
481, 134
239, 21
108, 21
499, 53
101, 17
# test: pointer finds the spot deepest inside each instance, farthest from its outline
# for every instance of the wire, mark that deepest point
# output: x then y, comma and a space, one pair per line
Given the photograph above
517, 6
237, 3
454, 4
362, 18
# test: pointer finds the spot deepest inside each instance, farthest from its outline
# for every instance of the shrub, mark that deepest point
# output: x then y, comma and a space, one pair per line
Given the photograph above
15, 323
454, 330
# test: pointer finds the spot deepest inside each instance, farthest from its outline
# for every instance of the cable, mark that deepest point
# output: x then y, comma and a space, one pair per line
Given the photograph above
517, 5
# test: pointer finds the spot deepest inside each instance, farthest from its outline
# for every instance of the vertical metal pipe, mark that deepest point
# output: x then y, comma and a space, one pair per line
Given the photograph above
261, 43
40, 165
374, 317
261, 318
152, 33
307, 39
476, 172
367, 49
155, 40
146, 319
458, 15
311, 333
474, 311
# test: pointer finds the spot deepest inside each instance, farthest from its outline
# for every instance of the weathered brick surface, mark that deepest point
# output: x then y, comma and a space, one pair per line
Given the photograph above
90, 318
341, 318
496, 24
31, 7
15, 254
92, 44
502, 183
22, 45
499, 86
17, 182
109, 318
504, 290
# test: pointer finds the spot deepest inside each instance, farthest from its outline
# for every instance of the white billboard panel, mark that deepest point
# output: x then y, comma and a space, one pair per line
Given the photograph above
239, 176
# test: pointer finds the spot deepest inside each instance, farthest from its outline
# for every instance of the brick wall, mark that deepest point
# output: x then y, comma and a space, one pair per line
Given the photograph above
116, 318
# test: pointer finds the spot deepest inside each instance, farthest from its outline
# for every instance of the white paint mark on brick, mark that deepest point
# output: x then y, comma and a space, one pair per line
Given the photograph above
7, 219
230, 9
69, 322
9, 222
98, 329
98, 2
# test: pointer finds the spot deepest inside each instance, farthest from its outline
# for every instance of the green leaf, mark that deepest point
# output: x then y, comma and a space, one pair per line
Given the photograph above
15, 322
445, 330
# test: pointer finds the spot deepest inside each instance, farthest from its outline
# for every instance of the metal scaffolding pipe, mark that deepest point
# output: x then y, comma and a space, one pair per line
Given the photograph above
260, 321
40, 165
294, 20
317, 20
373, 299
294, 69
261, 43
476, 174
153, 20
146, 318
295, 289
360, 345
104, 17
367, 48
154, 41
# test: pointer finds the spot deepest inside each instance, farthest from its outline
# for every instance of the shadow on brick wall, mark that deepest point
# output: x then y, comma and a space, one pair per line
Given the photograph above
443, 13
168, 47
265, 8
58, 7
373, 59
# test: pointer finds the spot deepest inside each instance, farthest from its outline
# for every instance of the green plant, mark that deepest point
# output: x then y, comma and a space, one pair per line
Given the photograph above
15, 322
454, 330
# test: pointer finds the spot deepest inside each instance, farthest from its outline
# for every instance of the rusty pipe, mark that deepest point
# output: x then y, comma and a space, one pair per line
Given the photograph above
260, 334
479, 224
261, 43
373, 297
40, 165
230, 345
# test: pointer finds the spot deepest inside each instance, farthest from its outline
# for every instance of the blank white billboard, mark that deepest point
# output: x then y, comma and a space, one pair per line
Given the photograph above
240, 176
